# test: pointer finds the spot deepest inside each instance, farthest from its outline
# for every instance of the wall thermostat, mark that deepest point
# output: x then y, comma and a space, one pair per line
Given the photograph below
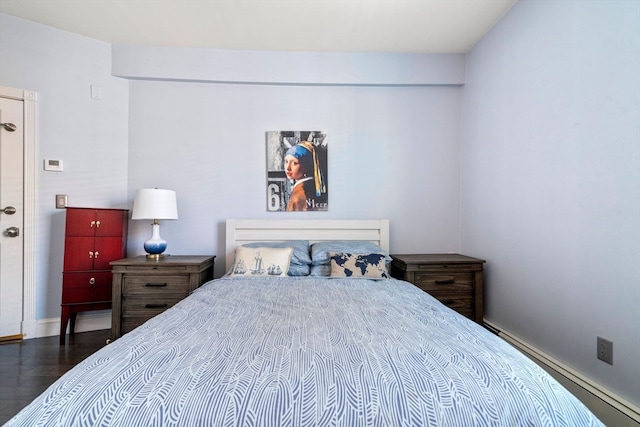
53, 165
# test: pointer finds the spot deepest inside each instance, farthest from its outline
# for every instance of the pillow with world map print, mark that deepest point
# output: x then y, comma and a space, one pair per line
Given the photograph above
371, 266
321, 251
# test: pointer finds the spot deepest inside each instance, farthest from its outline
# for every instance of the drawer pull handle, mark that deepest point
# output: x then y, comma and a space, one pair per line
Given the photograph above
155, 305
92, 281
156, 285
447, 301
445, 282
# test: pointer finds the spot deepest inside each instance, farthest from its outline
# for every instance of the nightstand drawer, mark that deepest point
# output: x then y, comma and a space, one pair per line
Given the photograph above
153, 269
155, 284
137, 310
441, 268
148, 307
463, 304
445, 282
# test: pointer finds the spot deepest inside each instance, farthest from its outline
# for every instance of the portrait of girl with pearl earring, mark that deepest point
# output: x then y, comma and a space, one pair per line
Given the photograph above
297, 171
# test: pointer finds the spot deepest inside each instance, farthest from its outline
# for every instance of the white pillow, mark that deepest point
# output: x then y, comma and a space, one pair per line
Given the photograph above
261, 261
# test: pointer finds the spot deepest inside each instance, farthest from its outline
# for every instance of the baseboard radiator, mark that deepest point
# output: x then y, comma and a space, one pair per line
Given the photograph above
612, 409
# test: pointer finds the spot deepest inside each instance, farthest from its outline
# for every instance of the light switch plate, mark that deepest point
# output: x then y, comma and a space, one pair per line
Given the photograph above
96, 92
61, 201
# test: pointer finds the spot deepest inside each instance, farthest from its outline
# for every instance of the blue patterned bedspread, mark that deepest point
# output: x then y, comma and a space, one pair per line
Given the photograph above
303, 351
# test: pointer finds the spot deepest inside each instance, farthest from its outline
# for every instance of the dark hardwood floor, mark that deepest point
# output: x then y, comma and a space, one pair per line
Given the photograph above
29, 367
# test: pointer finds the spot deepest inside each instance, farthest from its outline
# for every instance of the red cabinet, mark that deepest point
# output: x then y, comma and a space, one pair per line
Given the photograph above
93, 238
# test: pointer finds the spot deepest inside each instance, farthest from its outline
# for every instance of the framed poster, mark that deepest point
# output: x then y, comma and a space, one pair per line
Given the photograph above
296, 171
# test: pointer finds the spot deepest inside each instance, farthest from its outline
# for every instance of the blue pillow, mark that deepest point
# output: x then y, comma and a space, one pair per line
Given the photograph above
300, 249
298, 270
320, 251
320, 270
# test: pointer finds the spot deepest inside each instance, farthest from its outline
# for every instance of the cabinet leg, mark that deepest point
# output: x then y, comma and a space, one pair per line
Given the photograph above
72, 323
64, 319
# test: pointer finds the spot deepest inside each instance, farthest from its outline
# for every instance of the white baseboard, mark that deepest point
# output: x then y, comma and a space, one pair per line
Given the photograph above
86, 321
30, 329
612, 409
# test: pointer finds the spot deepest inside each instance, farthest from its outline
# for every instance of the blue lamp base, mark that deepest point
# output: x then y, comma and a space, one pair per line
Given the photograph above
156, 245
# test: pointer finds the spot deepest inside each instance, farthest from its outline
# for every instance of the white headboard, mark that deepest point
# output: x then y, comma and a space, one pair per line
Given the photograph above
241, 231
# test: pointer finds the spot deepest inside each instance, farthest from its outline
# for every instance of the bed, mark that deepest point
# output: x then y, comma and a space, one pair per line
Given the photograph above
361, 349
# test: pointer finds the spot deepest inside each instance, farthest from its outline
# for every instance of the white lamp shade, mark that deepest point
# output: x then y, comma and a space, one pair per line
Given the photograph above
154, 203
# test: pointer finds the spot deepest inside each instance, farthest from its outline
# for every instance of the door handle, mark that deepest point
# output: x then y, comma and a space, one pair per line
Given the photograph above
9, 210
9, 127
12, 232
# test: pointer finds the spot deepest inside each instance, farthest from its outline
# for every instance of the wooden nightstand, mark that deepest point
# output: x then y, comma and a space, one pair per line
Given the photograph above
143, 288
455, 280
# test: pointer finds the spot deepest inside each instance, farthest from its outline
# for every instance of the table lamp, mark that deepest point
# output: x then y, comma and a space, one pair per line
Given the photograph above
155, 204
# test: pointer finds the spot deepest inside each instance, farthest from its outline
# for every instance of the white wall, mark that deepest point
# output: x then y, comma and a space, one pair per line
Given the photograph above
393, 153
202, 114
392, 123
550, 178
89, 135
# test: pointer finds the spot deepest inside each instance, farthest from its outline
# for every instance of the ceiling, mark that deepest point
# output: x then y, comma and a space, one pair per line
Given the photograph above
415, 26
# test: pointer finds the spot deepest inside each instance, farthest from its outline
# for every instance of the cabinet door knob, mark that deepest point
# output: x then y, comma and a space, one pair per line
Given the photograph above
92, 281
97, 224
96, 254
90, 254
93, 223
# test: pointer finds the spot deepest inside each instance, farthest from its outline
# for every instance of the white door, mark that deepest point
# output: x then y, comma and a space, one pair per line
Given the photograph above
11, 216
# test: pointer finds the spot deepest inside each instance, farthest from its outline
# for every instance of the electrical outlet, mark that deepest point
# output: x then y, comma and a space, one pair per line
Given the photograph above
605, 350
